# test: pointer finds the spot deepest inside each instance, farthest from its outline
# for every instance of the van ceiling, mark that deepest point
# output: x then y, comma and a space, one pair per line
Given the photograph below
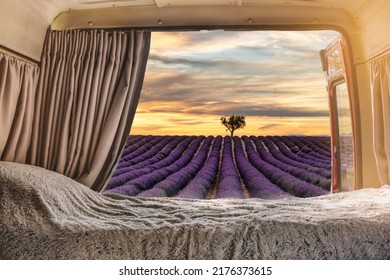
350, 5
91, 4
23, 24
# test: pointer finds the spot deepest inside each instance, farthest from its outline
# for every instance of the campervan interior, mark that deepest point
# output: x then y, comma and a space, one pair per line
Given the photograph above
71, 75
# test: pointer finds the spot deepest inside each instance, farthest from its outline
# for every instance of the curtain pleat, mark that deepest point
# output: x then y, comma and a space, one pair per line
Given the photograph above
86, 99
18, 81
380, 86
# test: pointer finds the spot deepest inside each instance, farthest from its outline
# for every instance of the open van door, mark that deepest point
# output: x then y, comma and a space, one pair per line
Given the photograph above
339, 90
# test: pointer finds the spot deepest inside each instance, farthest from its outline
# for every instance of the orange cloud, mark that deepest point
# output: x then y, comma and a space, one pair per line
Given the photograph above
274, 78
165, 123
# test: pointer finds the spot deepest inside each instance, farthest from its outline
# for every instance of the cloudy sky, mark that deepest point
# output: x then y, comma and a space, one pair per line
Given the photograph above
274, 78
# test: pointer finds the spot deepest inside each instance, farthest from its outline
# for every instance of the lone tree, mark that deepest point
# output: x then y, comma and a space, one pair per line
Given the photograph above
233, 122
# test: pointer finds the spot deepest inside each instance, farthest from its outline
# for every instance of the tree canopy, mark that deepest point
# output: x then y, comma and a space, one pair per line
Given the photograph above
233, 122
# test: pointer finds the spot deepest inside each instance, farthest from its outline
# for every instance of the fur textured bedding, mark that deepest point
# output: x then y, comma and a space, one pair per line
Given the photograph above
44, 215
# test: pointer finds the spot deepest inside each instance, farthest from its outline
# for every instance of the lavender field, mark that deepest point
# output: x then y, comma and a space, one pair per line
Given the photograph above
199, 167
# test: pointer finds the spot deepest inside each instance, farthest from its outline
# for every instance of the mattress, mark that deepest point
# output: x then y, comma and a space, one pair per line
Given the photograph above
45, 215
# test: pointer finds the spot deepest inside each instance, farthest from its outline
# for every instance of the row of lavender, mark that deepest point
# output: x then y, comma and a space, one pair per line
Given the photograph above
269, 167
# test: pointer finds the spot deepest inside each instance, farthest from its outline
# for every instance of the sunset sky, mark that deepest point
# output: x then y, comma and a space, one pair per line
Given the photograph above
274, 78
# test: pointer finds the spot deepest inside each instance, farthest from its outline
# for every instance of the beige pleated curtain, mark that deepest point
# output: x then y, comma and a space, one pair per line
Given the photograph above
18, 81
86, 98
380, 85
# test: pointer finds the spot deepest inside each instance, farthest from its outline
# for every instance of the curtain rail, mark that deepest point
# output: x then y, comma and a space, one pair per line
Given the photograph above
375, 56
380, 54
18, 54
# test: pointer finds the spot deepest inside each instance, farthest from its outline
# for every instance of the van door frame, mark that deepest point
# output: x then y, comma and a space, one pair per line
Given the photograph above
342, 75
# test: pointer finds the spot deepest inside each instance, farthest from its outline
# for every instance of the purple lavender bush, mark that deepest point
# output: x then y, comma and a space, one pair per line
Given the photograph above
284, 180
267, 156
229, 185
258, 185
288, 157
176, 181
200, 186
199, 167
294, 152
161, 169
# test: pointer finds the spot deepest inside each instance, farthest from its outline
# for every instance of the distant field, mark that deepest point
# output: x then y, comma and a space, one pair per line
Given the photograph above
200, 167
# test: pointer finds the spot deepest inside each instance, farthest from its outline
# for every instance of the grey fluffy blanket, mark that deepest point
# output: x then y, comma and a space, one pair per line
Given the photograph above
44, 215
